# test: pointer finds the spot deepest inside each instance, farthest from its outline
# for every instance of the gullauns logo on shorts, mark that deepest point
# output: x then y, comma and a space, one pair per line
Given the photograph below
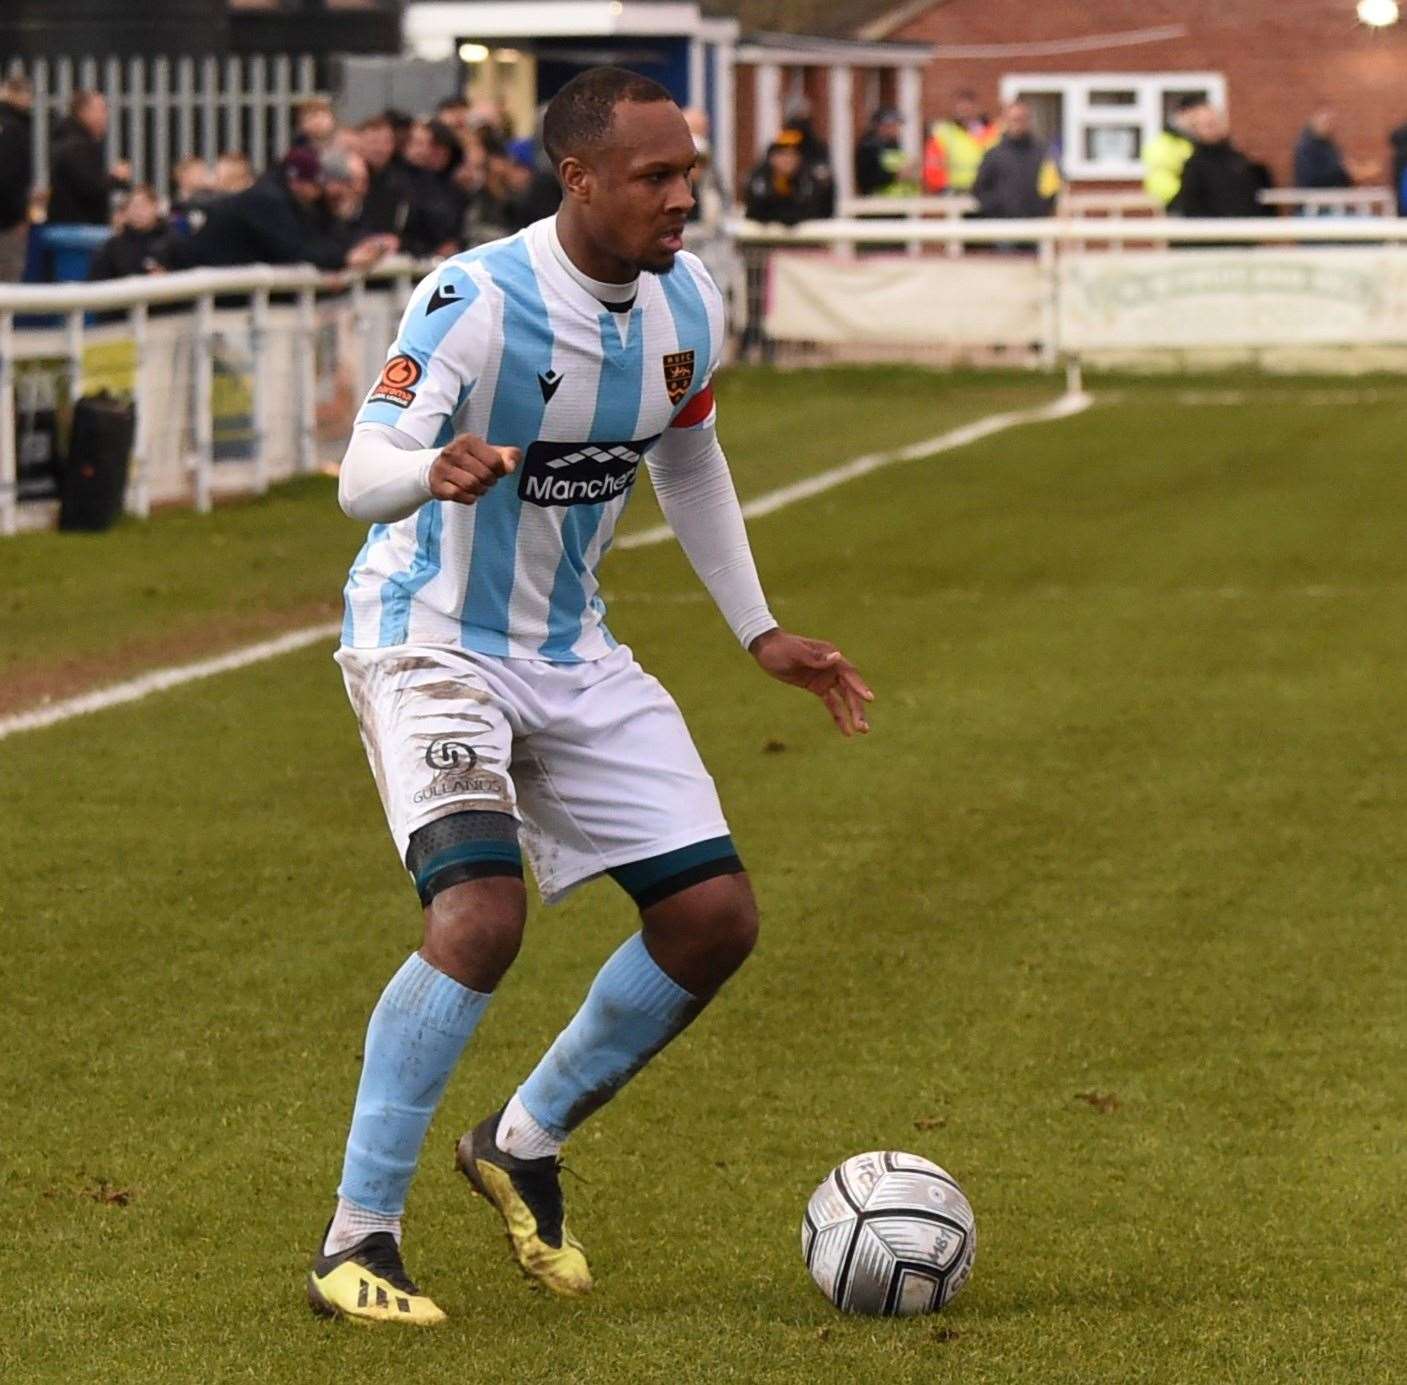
399, 377
451, 755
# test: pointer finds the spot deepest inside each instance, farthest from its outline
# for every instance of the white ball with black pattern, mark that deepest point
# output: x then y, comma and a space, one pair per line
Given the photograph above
889, 1234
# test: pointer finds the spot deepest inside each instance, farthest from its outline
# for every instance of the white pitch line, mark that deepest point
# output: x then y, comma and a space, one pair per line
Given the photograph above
162, 678
158, 680
1064, 407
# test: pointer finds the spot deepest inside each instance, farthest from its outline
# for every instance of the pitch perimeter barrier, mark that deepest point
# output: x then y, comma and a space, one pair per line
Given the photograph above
247, 376
237, 376
1040, 290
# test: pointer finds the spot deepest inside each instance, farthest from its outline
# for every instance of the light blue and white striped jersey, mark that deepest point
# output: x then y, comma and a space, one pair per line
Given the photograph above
502, 342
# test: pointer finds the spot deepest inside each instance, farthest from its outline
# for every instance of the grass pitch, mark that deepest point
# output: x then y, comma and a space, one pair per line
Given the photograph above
1105, 917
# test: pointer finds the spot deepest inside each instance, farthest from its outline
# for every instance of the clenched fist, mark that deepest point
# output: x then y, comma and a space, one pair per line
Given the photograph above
468, 467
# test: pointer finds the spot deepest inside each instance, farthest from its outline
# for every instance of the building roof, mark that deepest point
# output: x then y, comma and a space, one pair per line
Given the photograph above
824, 18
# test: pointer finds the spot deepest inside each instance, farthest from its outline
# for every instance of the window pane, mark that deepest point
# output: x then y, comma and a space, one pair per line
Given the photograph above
1047, 113
1112, 144
1123, 97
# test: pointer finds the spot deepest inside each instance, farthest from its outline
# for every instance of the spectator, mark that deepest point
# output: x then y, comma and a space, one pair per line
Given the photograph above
1017, 176
387, 204
345, 180
453, 112
709, 199
1318, 163
315, 123
781, 188
1218, 179
956, 146
134, 247
1397, 144
798, 129
881, 166
496, 209
435, 225
1167, 153
277, 221
233, 173
194, 186
81, 185
16, 176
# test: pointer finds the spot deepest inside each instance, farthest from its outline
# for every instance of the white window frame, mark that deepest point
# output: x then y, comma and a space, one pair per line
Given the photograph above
1079, 115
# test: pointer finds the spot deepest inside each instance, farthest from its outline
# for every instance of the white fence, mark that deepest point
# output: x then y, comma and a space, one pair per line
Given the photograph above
1040, 289
235, 374
163, 110
243, 377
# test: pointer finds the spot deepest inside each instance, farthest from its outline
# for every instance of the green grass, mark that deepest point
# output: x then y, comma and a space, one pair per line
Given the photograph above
196, 582
1130, 824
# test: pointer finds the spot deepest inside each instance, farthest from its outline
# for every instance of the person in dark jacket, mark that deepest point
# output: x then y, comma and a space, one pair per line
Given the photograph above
782, 188
277, 221
387, 205
1218, 179
1017, 176
435, 225
1318, 163
134, 247
16, 175
80, 183
881, 166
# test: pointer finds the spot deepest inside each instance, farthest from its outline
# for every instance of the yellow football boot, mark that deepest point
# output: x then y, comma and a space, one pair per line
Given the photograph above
368, 1283
527, 1194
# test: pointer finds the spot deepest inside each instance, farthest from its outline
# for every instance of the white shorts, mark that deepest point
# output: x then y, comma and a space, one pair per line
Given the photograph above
592, 758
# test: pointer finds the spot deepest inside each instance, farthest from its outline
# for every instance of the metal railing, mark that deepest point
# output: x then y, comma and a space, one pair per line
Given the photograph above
163, 109
305, 341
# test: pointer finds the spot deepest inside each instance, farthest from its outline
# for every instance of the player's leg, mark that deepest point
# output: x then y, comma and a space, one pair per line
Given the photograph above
467, 871
614, 788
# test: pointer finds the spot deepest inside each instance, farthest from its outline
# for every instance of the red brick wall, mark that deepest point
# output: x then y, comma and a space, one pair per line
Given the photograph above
1280, 58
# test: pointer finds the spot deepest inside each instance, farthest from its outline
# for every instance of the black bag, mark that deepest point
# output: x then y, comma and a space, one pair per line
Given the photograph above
95, 475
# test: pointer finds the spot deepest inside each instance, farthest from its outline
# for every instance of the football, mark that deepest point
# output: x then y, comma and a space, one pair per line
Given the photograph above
889, 1234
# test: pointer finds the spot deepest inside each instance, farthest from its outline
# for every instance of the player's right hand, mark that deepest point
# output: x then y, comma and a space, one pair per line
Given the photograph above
468, 467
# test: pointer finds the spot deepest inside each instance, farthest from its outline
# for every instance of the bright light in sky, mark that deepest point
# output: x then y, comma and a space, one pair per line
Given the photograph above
1378, 13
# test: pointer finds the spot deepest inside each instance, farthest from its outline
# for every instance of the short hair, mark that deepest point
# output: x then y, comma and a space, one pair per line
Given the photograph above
579, 116
450, 103
441, 134
310, 104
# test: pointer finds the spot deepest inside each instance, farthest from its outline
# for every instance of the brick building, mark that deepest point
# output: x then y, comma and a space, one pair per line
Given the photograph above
1101, 73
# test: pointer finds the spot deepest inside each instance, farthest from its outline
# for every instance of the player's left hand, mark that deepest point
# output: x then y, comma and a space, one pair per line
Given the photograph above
819, 667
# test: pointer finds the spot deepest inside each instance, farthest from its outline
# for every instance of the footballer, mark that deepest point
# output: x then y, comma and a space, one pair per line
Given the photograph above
530, 379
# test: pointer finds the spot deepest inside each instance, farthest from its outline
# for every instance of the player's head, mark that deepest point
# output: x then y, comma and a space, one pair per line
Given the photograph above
625, 158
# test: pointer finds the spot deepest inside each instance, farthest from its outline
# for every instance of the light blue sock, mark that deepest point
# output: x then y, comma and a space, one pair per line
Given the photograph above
631, 1011
417, 1032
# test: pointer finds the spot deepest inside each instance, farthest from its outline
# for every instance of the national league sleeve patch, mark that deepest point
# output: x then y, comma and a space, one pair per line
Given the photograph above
396, 383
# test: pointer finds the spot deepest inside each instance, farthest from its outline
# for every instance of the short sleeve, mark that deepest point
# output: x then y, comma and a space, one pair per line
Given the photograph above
436, 358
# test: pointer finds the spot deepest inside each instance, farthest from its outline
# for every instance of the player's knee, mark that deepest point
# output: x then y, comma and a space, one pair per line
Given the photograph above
473, 930
705, 932
469, 875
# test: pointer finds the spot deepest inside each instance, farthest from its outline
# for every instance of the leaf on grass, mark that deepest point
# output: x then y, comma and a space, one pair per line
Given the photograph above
1103, 1102
108, 1193
930, 1122
943, 1334
772, 746
823, 1334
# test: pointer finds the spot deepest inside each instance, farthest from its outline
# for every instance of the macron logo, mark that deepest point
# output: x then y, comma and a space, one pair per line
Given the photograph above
547, 382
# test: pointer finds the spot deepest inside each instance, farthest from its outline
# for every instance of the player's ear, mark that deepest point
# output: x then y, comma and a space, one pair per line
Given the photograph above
576, 178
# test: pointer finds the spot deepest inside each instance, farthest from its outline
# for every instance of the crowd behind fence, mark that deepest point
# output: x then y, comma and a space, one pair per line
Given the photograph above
245, 376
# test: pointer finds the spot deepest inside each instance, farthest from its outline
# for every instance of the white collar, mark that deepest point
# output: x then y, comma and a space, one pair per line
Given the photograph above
602, 292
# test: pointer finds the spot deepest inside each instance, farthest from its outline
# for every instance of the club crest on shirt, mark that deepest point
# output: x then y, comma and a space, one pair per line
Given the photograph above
397, 383
678, 374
